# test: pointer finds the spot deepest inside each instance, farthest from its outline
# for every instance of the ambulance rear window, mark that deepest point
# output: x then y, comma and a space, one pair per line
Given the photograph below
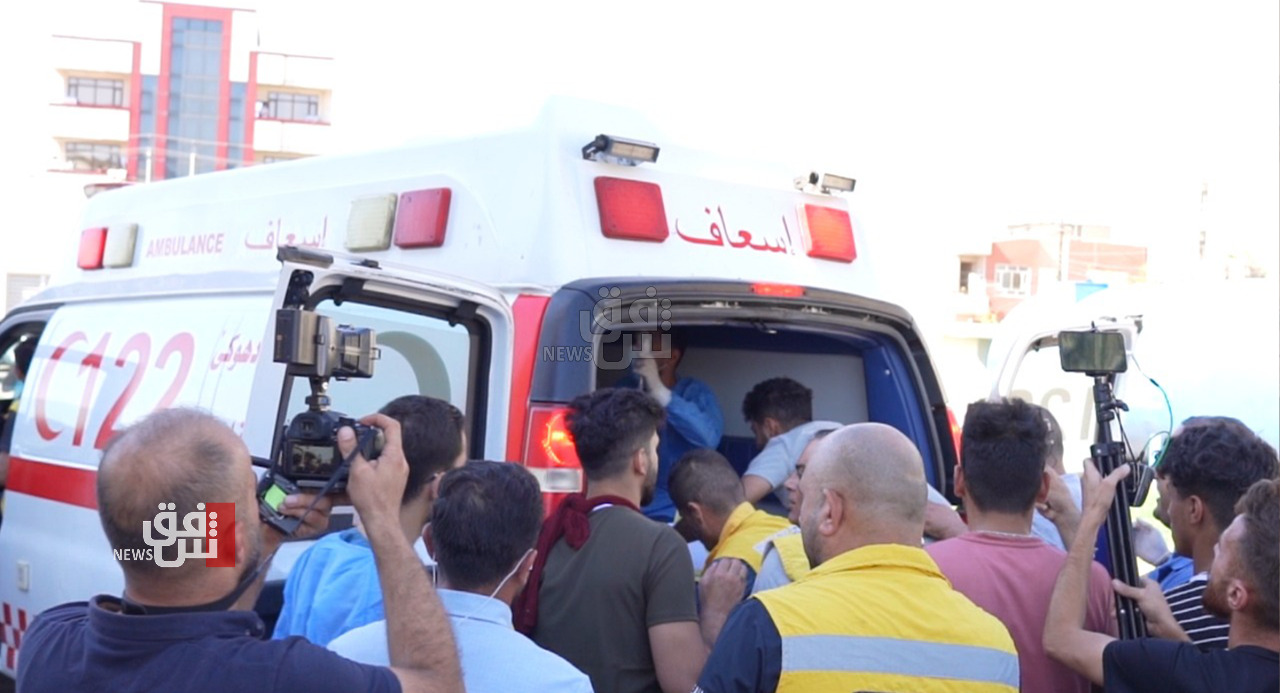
420, 355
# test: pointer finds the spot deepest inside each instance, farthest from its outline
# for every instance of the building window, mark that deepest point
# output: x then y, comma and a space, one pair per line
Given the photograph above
195, 83
1013, 280
283, 105
89, 91
93, 156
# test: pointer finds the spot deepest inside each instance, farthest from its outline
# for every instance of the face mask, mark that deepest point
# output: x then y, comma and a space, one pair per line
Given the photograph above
497, 589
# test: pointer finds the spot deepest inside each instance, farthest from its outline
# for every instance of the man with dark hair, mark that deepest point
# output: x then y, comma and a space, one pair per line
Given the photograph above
708, 493
874, 614
1243, 587
483, 527
333, 586
1207, 466
190, 627
693, 418
612, 591
999, 563
780, 413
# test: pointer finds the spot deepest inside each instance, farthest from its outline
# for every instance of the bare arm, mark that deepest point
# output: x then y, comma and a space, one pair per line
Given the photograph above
679, 652
720, 590
755, 487
419, 638
942, 521
1065, 637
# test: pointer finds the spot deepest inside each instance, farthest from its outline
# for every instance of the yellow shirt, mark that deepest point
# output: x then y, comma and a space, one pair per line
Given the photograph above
743, 534
884, 618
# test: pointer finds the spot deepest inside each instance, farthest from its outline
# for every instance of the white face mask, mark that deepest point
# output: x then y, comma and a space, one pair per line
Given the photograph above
497, 589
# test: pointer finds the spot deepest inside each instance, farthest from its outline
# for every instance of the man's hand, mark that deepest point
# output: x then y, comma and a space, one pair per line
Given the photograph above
313, 523
1149, 544
376, 486
1099, 492
1060, 509
647, 369
1151, 601
722, 586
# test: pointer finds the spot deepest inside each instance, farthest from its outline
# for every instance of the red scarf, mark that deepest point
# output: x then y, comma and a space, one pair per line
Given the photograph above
572, 520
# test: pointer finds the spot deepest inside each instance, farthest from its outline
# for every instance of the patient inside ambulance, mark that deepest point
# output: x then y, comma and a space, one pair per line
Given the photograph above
778, 389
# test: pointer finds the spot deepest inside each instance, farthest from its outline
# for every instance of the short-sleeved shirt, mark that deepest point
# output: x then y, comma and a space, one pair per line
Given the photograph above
93, 647
332, 588
1186, 601
778, 458
1012, 578
597, 604
494, 657
1151, 664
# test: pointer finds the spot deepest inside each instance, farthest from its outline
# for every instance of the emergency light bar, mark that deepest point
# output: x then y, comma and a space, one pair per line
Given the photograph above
825, 183
619, 150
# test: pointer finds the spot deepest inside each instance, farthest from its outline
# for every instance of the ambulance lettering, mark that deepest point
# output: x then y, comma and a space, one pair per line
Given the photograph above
199, 244
718, 234
277, 237
174, 358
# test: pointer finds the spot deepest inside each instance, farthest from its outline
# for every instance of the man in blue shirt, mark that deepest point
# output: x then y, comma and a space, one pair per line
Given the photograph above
483, 528
693, 413
333, 587
190, 627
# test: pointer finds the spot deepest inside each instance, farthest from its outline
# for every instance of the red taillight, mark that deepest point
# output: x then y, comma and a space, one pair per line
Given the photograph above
421, 218
549, 451
829, 233
789, 290
957, 433
631, 209
92, 244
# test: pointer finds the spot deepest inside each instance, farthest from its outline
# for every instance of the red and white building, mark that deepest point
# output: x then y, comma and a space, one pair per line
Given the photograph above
143, 90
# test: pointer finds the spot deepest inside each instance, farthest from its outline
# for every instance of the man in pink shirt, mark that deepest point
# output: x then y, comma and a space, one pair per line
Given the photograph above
999, 564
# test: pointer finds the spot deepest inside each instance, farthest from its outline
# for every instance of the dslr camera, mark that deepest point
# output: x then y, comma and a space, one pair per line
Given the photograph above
307, 459
310, 345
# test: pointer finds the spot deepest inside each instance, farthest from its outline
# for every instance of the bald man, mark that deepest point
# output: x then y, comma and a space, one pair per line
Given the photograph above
874, 613
191, 627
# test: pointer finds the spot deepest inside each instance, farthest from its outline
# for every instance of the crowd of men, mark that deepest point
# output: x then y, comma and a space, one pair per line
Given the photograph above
873, 582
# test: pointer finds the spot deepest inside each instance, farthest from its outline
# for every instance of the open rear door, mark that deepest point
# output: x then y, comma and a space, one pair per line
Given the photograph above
437, 335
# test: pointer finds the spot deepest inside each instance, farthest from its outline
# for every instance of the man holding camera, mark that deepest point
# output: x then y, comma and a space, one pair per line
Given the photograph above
191, 627
333, 587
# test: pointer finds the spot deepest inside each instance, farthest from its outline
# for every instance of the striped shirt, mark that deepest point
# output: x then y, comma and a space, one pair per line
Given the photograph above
1208, 632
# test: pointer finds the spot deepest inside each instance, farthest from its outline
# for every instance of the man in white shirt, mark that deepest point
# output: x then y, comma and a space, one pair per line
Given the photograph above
483, 527
780, 412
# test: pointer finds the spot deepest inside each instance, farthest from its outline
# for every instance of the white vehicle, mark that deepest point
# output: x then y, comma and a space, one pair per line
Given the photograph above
498, 272
1211, 348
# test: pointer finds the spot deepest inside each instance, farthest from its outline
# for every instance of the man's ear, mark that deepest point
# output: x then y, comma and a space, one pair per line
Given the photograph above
1197, 510
429, 540
772, 428
1239, 596
832, 514
640, 462
520, 578
1045, 480
962, 490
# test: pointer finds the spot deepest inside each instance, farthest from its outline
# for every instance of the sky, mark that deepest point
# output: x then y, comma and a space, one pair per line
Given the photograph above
957, 119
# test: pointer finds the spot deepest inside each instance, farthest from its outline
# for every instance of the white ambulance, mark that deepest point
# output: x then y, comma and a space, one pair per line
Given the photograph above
497, 271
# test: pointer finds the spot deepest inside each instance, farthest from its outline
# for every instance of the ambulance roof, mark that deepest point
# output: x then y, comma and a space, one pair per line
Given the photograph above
522, 211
